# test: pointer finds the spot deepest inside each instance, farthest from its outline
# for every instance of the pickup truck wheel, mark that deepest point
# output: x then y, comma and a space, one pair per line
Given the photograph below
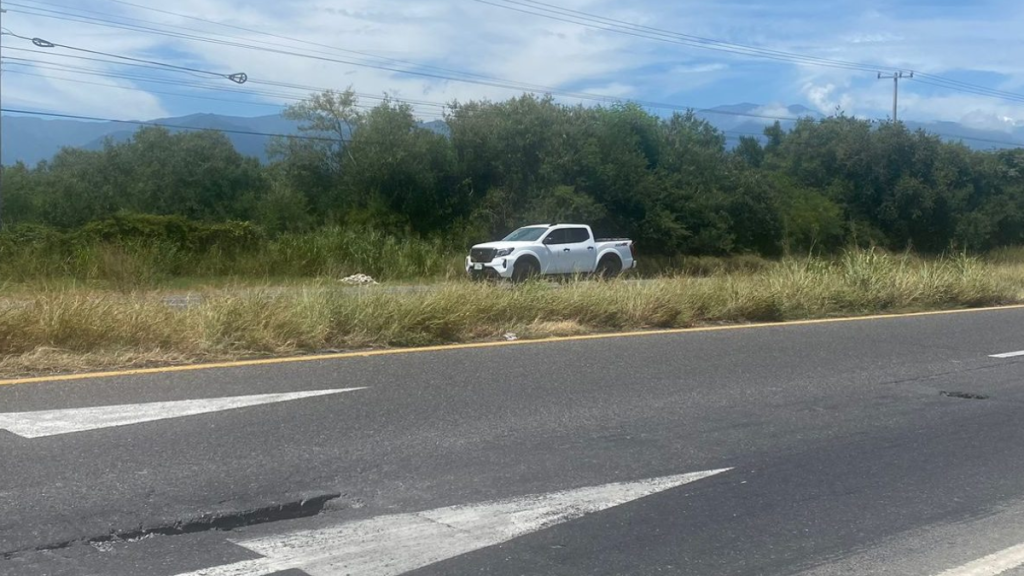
608, 267
524, 269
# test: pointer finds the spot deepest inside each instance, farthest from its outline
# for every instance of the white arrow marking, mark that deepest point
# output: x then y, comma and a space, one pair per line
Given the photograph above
991, 565
391, 545
53, 422
1007, 354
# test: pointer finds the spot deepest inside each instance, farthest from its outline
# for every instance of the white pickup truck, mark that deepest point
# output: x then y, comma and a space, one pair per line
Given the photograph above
550, 249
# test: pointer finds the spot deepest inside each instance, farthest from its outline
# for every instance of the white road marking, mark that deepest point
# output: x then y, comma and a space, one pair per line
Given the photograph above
392, 545
992, 564
53, 422
1007, 354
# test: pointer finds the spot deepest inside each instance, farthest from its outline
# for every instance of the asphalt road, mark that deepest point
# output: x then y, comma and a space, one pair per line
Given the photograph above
826, 449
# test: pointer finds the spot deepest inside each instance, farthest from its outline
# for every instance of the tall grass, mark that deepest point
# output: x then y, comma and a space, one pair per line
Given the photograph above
136, 264
683, 265
74, 329
1006, 255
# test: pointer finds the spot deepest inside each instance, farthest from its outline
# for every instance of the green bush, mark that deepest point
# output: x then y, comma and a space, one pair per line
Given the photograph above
183, 234
135, 251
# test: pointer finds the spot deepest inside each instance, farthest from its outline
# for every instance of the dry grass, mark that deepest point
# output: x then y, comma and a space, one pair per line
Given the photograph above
74, 330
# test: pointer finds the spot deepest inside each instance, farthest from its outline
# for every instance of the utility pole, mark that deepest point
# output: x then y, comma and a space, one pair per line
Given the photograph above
896, 77
1, 129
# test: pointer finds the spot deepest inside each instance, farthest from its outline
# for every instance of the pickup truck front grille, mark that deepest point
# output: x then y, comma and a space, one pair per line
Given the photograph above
481, 254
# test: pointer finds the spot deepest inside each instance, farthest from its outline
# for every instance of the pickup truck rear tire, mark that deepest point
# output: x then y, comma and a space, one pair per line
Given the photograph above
608, 267
524, 269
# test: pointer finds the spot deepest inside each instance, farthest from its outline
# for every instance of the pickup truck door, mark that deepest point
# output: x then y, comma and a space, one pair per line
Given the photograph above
582, 255
558, 252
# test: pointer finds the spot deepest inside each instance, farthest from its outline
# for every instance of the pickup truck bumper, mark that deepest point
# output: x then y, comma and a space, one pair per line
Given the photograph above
498, 268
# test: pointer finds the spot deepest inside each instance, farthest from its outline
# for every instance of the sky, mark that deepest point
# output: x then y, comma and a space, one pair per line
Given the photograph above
289, 48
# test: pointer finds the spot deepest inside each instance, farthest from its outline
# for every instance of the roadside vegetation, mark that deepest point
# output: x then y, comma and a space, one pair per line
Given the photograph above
76, 329
675, 185
132, 252
833, 216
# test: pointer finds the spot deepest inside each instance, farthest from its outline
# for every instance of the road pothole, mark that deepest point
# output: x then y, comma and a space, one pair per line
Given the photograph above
229, 520
964, 395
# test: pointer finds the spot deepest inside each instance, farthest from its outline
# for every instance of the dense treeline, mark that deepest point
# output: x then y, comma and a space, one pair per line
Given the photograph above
670, 183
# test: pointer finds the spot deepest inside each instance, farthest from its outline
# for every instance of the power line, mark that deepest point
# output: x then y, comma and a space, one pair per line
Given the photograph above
191, 34
937, 81
165, 125
237, 77
708, 42
524, 87
45, 64
250, 80
309, 88
143, 90
922, 79
101, 73
702, 42
668, 36
498, 83
86, 58
550, 11
42, 65
505, 84
76, 81
297, 98
293, 39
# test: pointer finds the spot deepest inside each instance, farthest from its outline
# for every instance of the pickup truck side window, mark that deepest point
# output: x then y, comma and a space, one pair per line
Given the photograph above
557, 237
527, 234
577, 235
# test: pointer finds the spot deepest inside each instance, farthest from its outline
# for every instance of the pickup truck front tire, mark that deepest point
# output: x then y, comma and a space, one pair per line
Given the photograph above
524, 269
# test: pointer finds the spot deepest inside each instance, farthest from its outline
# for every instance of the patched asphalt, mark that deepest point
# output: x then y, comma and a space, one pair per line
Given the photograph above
843, 438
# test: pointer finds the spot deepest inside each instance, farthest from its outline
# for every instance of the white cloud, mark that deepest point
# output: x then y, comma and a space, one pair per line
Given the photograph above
872, 98
820, 96
872, 38
699, 68
613, 89
51, 92
42, 87
985, 120
480, 39
828, 98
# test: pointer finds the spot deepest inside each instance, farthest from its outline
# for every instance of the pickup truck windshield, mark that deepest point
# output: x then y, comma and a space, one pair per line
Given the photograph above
528, 234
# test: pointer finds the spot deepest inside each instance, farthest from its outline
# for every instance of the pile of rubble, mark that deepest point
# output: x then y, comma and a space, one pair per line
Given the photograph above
358, 279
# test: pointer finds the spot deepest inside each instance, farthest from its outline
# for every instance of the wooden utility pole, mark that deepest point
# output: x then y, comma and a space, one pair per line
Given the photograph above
896, 77
1, 136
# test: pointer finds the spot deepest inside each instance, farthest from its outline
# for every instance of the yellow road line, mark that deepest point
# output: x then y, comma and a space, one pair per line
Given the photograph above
446, 347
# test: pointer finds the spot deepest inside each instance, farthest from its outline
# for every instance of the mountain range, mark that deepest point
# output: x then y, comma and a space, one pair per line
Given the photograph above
738, 120
32, 139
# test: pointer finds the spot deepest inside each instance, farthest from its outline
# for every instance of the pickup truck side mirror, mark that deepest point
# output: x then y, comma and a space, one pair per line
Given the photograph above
549, 240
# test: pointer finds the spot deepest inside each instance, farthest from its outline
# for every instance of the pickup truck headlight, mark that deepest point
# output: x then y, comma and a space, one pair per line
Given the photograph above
503, 252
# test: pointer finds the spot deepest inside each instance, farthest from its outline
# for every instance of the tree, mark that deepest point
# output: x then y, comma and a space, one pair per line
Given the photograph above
313, 161
21, 198
510, 154
198, 175
398, 174
667, 181
749, 150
